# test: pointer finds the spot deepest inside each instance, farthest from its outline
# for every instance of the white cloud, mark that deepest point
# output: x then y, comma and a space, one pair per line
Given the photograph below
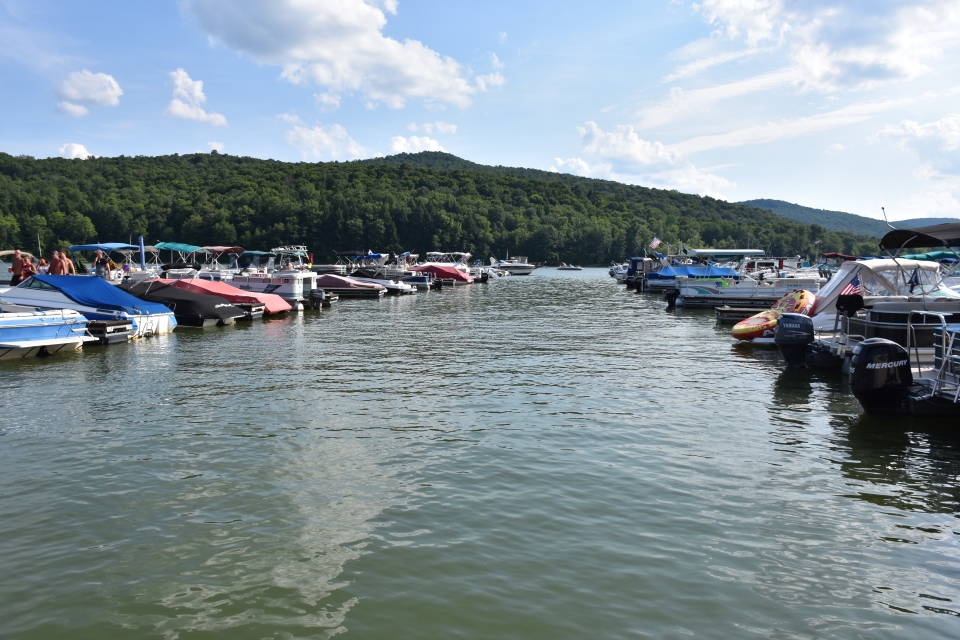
429, 127
623, 156
187, 98
290, 118
851, 45
327, 101
503, 37
789, 128
414, 144
73, 150
339, 45
945, 133
496, 61
216, 146
698, 65
836, 147
75, 110
494, 79
87, 88
680, 103
331, 142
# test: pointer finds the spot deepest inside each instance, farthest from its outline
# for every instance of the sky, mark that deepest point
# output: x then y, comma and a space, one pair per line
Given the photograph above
848, 106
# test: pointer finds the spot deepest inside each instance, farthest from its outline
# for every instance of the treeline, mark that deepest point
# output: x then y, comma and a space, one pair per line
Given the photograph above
390, 204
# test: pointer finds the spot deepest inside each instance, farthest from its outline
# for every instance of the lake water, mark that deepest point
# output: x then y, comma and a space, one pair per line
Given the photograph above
543, 457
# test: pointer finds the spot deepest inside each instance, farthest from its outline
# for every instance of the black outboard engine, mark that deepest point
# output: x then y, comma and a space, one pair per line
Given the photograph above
880, 375
794, 331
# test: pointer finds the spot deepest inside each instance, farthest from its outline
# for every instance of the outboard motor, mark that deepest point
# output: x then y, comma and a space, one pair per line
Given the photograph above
880, 375
794, 331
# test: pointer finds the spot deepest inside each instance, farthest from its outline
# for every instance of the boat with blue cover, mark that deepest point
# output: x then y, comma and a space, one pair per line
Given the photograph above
25, 332
93, 297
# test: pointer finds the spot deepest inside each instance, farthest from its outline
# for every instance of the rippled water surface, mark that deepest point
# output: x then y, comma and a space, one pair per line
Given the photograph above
542, 457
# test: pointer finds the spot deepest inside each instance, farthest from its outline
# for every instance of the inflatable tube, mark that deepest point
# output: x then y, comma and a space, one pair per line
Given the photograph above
760, 327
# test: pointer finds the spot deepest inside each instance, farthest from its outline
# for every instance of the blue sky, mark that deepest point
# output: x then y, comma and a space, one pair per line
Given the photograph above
838, 105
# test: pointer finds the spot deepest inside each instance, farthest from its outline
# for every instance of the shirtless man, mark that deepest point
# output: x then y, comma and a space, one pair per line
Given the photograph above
56, 267
68, 268
17, 269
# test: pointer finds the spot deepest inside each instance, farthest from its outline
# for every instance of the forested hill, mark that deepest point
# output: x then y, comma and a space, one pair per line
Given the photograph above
840, 221
383, 205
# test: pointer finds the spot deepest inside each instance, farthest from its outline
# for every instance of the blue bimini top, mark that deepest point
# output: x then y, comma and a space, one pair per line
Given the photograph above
97, 292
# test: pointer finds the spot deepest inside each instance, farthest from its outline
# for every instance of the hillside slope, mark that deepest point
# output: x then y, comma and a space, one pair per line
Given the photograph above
390, 204
838, 220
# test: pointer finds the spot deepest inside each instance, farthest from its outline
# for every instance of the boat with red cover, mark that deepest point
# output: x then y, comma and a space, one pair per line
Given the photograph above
349, 287
270, 302
447, 275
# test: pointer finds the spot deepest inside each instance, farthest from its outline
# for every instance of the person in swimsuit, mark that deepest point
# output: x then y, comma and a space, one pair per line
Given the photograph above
43, 267
17, 269
68, 268
56, 268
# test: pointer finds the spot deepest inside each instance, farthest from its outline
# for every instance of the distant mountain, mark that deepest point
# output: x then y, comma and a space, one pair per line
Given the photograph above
838, 220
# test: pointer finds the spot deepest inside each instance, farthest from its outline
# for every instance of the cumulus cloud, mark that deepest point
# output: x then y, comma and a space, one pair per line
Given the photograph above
339, 45
187, 98
83, 88
622, 155
73, 151
414, 144
944, 133
216, 146
327, 101
333, 143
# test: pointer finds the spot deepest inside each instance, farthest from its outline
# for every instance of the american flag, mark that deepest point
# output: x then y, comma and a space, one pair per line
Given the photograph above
655, 243
853, 288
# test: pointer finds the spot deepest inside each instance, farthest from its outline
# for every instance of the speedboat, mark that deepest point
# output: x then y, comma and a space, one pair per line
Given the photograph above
93, 297
348, 287
449, 276
190, 308
25, 332
516, 266
252, 303
569, 267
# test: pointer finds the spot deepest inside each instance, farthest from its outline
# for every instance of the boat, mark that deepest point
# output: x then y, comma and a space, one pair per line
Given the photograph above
760, 327
190, 308
449, 276
253, 303
93, 297
516, 266
696, 291
292, 280
348, 287
372, 268
26, 332
569, 267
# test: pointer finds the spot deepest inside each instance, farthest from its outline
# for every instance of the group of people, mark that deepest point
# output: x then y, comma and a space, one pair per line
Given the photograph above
23, 266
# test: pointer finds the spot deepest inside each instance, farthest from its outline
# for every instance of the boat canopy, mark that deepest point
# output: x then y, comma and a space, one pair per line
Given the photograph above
693, 271
949, 256
177, 246
724, 253
839, 256
937, 235
105, 246
222, 250
100, 294
258, 253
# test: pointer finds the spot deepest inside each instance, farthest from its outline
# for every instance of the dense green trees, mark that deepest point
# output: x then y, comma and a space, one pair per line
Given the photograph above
422, 202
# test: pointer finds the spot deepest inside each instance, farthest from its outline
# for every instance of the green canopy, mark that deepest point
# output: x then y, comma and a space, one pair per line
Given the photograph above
182, 248
931, 255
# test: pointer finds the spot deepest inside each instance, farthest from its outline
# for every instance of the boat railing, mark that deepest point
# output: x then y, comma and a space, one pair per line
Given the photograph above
949, 359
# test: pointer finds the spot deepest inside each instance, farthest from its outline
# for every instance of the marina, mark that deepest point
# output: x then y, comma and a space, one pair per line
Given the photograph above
310, 498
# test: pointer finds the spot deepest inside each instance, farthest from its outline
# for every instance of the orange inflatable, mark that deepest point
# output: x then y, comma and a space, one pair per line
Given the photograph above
759, 328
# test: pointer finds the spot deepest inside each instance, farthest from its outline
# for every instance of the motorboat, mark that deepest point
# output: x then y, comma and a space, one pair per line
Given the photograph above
26, 332
292, 280
701, 289
760, 328
253, 303
95, 298
516, 266
448, 275
569, 267
190, 308
348, 287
